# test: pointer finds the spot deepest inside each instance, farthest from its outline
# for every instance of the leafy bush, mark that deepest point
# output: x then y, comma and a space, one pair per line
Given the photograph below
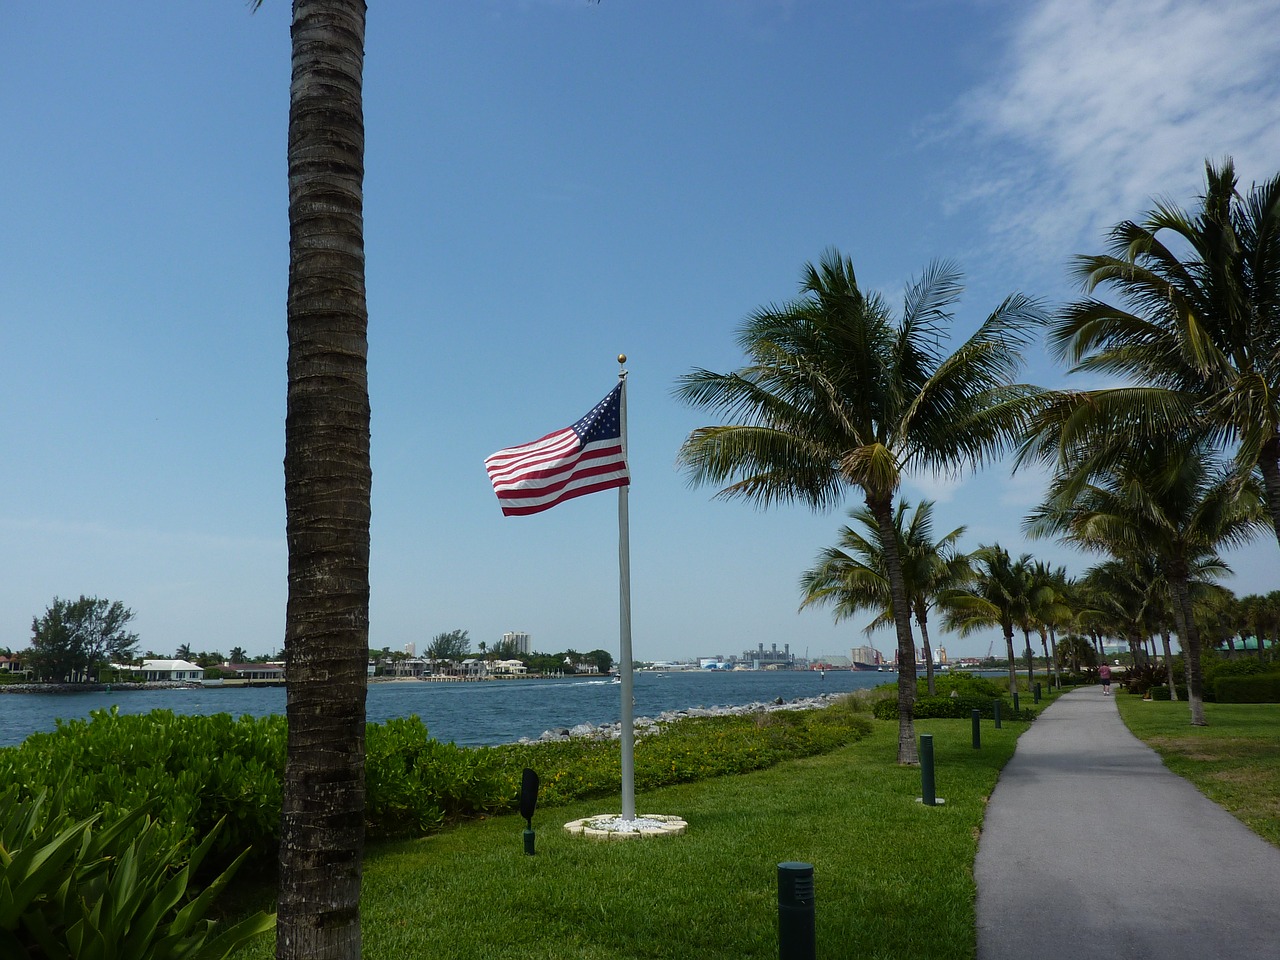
966, 684
192, 771
953, 708
1141, 677
1160, 693
70, 890
1248, 688
414, 783
693, 749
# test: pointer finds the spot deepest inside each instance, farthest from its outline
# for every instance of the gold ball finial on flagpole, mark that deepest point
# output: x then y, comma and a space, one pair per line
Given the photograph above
622, 358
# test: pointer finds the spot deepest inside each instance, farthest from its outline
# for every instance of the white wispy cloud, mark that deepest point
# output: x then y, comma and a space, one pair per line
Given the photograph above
1096, 107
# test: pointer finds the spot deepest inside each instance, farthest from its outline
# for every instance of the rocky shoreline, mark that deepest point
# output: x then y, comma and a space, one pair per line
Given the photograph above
96, 687
650, 726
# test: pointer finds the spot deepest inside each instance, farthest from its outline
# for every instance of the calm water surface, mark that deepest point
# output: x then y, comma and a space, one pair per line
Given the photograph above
472, 714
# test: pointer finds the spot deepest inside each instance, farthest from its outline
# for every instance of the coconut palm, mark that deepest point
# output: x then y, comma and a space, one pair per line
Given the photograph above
1050, 609
1121, 594
1169, 500
836, 396
327, 489
1196, 331
852, 577
998, 595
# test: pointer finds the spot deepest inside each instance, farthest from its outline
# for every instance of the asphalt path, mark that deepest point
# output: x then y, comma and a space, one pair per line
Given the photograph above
1091, 848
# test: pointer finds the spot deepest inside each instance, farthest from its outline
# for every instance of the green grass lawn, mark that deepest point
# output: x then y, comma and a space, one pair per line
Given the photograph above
893, 878
1234, 761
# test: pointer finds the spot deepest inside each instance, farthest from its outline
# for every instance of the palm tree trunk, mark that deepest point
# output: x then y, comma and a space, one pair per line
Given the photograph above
1057, 667
1269, 465
1013, 660
327, 490
1031, 674
1044, 645
1168, 662
1190, 636
882, 509
928, 654
1136, 651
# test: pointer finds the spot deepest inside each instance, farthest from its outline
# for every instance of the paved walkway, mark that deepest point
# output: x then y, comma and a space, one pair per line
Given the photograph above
1091, 848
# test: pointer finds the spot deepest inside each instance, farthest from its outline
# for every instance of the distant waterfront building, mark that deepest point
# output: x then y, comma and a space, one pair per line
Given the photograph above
771, 659
519, 639
868, 655
411, 648
152, 671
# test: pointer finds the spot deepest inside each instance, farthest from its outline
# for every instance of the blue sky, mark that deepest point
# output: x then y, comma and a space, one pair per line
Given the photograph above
548, 183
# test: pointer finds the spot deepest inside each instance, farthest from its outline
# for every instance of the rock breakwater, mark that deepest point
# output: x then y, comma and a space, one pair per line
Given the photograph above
651, 726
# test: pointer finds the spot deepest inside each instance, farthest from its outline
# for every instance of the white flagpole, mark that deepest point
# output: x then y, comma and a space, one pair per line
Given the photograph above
628, 732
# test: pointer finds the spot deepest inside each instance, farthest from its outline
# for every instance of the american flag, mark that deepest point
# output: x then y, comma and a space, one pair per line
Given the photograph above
581, 459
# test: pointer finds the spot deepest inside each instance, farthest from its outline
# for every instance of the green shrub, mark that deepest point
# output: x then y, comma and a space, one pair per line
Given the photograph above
192, 770
1160, 693
953, 708
966, 684
1252, 688
71, 890
414, 783
1141, 677
694, 749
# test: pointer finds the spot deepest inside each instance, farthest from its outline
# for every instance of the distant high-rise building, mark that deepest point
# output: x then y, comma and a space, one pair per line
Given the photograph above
521, 641
411, 649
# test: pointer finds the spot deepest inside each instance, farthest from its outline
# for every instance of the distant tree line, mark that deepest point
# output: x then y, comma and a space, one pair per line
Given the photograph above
456, 645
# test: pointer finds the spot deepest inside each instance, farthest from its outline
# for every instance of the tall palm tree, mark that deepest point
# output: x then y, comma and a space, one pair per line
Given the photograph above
1169, 500
997, 596
1121, 589
1196, 331
327, 489
836, 396
852, 576
1050, 609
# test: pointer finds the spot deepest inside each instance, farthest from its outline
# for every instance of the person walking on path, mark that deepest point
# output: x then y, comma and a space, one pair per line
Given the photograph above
1104, 674
1092, 849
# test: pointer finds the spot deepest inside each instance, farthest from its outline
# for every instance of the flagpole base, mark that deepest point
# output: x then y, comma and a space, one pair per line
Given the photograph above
610, 826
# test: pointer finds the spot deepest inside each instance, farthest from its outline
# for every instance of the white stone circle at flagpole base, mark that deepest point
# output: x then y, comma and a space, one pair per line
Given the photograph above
610, 826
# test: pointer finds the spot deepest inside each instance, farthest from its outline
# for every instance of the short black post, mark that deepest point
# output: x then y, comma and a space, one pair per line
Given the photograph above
528, 802
1036, 695
995, 712
928, 792
797, 932
1015, 701
977, 729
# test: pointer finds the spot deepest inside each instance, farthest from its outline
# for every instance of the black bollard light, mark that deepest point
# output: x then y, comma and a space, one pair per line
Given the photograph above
797, 931
1037, 699
977, 729
995, 712
928, 793
1015, 702
528, 800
